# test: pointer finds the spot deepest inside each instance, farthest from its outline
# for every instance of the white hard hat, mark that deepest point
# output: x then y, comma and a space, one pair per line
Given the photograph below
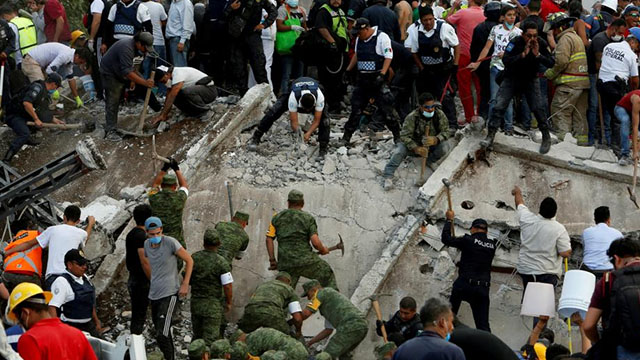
611, 4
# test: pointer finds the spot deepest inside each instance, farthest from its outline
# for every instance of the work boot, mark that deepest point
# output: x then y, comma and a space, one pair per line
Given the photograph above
113, 136
346, 139
396, 136
488, 141
7, 157
255, 140
323, 151
546, 142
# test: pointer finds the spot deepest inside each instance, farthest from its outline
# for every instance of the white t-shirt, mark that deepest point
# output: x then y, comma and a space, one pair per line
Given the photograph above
501, 37
16, 43
60, 239
293, 104
447, 35
62, 294
97, 6
540, 242
52, 56
597, 240
142, 16
383, 43
157, 14
618, 60
188, 75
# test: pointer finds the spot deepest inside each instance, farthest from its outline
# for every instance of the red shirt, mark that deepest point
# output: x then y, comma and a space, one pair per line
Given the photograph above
625, 102
548, 7
50, 339
53, 9
465, 21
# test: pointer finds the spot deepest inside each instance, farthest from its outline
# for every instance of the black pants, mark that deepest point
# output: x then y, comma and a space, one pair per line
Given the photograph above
512, 87
248, 47
139, 292
89, 327
194, 100
402, 88
485, 90
610, 93
433, 79
113, 89
543, 278
330, 75
477, 295
18, 124
162, 312
281, 106
218, 52
363, 92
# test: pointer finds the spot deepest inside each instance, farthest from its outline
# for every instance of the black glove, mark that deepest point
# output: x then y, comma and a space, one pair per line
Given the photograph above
166, 167
333, 47
174, 164
379, 81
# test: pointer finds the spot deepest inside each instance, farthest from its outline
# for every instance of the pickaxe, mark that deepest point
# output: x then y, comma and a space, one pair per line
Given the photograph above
155, 154
632, 190
423, 164
340, 246
447, 186
376, 308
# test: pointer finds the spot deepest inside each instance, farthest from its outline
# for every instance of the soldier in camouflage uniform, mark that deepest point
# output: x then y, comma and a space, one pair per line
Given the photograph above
167, 199
265, 339
269, 304
296, 232
211, 274
239, 351
220, 349
340, 314
274, 355
385, 351
234, 239
198, 350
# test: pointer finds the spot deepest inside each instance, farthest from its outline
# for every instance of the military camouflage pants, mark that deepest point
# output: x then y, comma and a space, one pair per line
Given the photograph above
318, 269
259, 315
206, 317
348, 336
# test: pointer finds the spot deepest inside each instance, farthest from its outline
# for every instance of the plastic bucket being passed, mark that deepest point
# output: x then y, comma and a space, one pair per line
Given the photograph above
89, 87
539, 300
576, 293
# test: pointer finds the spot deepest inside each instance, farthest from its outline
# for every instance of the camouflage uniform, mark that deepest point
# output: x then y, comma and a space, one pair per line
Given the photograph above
293, 230
239, 351
349, 323
196, 349
268, 307
234, 240
206, 291
220, 348
168, 205
274, 355
381, 351
265, 339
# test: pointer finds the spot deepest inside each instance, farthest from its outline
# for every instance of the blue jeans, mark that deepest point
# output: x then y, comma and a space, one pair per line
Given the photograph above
592, 115
625, 128
179, 59
401, 152
508, 115
291, 69
624, 354
147, 63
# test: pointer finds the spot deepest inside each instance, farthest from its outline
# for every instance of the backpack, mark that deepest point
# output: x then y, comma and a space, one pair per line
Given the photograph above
624, 319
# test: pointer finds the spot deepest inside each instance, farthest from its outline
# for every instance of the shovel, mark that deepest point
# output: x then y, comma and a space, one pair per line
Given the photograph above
632, 190
423, 164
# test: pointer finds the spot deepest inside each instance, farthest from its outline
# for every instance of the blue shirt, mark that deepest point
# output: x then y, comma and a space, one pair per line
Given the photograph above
13, 335
428, 346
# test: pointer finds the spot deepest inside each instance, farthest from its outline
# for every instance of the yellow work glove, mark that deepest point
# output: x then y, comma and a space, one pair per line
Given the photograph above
55, 95
79, 102
421, 150
431, 140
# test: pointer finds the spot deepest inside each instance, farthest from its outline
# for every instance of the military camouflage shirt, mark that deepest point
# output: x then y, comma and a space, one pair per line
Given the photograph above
265, 339
334, 307
415, 125
234, 239
208, 267
168, 205
293, 231
274, 293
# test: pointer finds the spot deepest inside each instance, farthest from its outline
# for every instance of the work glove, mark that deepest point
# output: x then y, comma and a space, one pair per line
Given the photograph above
174, 164
421, 150
297, 28
166, 167
431, 141
55, 95
79, 102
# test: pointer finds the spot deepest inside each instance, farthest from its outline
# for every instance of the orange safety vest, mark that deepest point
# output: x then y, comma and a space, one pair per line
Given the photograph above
24, 262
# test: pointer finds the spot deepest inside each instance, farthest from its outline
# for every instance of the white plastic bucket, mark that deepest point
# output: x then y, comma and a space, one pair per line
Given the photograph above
89, 87
576, 293
539, 299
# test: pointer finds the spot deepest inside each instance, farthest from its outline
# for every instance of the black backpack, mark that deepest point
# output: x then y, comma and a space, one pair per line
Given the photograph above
624, 319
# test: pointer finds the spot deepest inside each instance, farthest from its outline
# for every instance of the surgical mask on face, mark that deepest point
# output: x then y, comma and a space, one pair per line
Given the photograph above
155, 240
509, 26
448, 337
51, 91
292, 3
616, 38
428, 114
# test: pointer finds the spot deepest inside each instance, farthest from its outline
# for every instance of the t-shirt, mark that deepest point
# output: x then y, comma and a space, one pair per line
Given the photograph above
53, 9
297, 13
190, 76
625, 102
548, 7
50, 339
465, 21
447, 35
60, 239
63, 293
597, 46
54, 57
157, 15
134, 241
501, 37
540, 242
618, 60
97, 6
165, 280
293, 104
118, 60
428, 346
597, 240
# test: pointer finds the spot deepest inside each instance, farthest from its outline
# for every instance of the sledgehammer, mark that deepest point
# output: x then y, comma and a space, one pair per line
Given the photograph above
376, 308
447, 186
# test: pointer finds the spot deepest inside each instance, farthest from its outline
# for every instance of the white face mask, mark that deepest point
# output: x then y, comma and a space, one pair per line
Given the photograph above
616, 38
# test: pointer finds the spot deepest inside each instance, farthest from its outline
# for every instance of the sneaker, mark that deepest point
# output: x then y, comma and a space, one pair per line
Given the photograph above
625, 161
388, 184
113, 136
253, 144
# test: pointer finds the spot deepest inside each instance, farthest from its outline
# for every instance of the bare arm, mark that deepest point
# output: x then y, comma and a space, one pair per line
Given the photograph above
317, 116
96, 320
73, 87
281, 26
416, 60
456, 55
535, 333
635, 120
95, 24
91, 222
171, 97
598, 58
352, 63
385, 66
517, 195
293, 119
321, 336
184, 255
297, 322
133, 76
182, 182
485, 50
565, 254
318, 245
22, 247
59, 28
590, 324
144, 262
157, 181
228, 295
28, 107
273, 263
633, 82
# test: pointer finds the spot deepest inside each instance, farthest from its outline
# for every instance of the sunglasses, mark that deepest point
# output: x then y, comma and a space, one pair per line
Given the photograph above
635, 15
429, 107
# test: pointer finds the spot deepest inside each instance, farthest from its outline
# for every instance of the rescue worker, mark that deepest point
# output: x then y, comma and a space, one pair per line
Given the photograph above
340, 314
264, 341
245, 22
211, 278
432, 43
198, 350
373, 55
126, 18
233, 237
386, 351
269, 305
570, 75
306, 97
24, 266
74, 296
31, 104
627, 111
24, 30
474, 269
404, 325
296, 232
167, 199
424, 132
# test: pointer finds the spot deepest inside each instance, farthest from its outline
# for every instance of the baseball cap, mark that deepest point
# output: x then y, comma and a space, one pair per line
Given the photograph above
54, 78
211, 237
161, 71
634, 32
76, 256
146, 39
308, 285
480, 224
295, 195
153, 223
629, 8
169, 180
360, 24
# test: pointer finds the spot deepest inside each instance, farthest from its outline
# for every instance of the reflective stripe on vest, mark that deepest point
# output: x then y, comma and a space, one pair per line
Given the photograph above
22, 256
26, 33
578, 56
339, 26
26, 262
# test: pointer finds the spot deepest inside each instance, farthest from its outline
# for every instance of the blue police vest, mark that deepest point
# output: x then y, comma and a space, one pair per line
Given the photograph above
430, 49
126, 20
81, 307
304, 83
368, 59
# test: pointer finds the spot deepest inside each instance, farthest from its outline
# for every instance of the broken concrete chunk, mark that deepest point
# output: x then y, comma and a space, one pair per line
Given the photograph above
132, 193
329, 166
110, 213
89, 154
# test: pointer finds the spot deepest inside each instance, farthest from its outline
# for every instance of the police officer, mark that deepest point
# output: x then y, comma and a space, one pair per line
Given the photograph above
75, 296
306, 97
432, 43
373, 55
474, 273
31, 104
211, 277
245, 22
296, 232
24, 30
269, 305
167, 199
125, 19
233, 237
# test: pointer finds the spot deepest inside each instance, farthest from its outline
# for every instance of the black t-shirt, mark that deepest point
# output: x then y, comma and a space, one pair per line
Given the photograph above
385, 19
597, 46
538, 20
481, 345
135, 240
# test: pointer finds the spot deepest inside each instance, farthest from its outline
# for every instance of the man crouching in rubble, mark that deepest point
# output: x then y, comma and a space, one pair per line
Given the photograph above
425, 132
190, 90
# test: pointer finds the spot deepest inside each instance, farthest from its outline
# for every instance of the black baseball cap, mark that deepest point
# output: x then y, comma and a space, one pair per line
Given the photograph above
76, 256
480, 224
360, 24
54, 78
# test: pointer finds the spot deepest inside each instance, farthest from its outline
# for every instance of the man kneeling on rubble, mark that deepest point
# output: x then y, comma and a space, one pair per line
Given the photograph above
189, 89
425, 132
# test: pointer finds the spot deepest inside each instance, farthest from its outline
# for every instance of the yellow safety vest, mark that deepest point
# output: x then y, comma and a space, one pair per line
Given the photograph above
339, 26
26, 33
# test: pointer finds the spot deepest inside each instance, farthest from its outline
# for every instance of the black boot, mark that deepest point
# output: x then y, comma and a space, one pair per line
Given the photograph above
7, 157
488, 141
396, 136
546, 142
255, 140
346, 139
323, 150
